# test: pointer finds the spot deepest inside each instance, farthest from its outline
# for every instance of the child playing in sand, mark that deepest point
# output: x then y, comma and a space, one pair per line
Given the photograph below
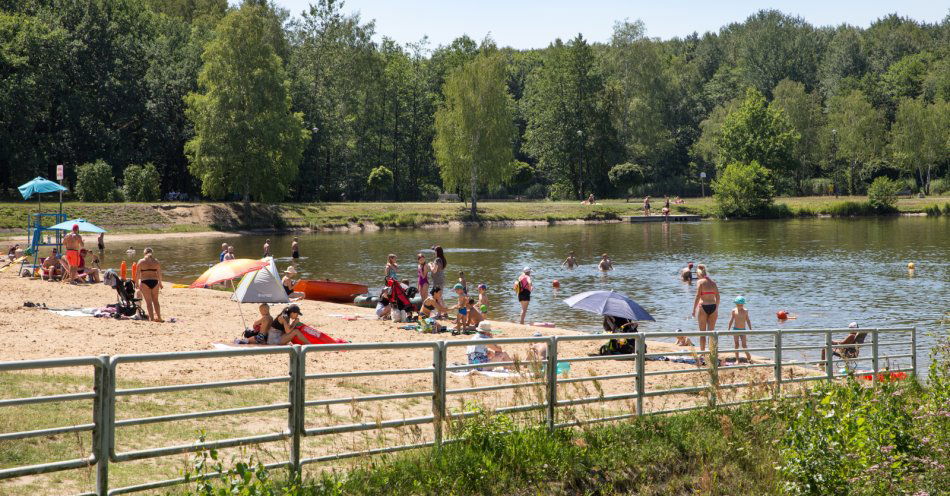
461, 320
483, 298
474, 317
739, 320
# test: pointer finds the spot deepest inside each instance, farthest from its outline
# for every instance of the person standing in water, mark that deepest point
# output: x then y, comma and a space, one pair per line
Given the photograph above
266, 249
707, 305
646, 206
605, 263
739, 321
437, 271
686, 273
224, 251
524, 291
101, 241
422, 272
390, 271
570, 262
295, 250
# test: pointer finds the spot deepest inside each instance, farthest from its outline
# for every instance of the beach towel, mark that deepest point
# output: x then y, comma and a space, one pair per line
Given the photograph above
84, 312
315, 337
487, 373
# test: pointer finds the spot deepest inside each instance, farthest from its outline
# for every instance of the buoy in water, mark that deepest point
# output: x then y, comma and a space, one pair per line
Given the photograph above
910, 266
782, 315
556, 284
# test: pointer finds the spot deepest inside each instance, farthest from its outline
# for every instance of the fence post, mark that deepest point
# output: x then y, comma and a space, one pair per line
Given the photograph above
829, 357
295, 414
641, 369
104, 389
438, 390
777, 392
913, 350
874, 353
551, 373
713, 367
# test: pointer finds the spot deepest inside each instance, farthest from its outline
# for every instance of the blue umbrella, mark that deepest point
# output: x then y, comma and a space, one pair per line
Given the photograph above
84, 226
609, 303
39, 185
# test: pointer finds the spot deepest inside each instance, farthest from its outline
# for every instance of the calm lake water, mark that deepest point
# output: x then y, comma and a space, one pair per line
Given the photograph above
827, 272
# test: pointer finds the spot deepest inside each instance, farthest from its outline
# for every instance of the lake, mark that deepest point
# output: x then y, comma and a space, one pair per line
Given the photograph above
828, 272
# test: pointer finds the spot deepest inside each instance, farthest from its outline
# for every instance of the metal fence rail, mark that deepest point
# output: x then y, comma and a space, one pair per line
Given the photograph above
556, 411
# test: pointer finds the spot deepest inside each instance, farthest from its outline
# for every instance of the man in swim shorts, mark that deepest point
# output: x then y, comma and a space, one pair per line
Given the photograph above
73, 243
686, 273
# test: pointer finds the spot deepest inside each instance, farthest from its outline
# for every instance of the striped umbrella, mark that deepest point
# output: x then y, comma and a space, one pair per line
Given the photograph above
227, 270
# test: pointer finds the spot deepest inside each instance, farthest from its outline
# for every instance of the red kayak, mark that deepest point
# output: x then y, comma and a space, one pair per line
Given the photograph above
341, 292
315, 337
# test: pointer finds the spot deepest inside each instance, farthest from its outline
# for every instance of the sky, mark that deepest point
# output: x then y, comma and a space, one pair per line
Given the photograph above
535, 24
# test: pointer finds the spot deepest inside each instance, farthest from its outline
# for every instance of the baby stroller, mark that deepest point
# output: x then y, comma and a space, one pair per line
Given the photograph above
127, 305
619, 325
400, 300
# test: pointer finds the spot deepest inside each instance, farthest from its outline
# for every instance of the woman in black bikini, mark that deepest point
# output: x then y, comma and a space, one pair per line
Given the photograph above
433, 304
707, 297
149, 279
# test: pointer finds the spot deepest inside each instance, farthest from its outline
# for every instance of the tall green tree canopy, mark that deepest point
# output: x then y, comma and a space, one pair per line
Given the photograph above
804, 113
858, 132
920, 138
247, 141
475, 128
755, 132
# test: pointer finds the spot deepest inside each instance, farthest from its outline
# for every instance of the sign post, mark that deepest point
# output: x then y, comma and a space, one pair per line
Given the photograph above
60, 174
702, 182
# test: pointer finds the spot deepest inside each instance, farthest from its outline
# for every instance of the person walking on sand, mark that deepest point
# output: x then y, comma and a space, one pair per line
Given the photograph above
149, 282
524, 287
739, 321
646, 206
101, 242
73, 243
570, 262
605, 264
266, 249
707, 303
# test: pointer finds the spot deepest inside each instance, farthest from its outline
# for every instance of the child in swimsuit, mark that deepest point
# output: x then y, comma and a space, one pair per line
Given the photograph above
483, 298
739, 321
461, 320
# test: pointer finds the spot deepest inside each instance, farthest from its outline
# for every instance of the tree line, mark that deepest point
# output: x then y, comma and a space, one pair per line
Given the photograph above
250, 102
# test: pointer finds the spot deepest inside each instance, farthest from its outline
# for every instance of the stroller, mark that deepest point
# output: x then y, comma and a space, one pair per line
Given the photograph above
401, 300
619, 325
127, 305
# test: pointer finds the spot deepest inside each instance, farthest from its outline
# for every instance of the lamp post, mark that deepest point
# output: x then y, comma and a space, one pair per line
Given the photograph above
834, 159
313, 137
580, 160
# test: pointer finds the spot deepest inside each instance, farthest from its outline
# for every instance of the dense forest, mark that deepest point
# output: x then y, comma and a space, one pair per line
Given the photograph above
155, 84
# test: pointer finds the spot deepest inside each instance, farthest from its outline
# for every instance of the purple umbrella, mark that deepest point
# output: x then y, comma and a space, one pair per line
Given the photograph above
609, 303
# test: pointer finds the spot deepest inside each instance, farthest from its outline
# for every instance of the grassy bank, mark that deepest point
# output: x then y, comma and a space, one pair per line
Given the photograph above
188, 217
848, 438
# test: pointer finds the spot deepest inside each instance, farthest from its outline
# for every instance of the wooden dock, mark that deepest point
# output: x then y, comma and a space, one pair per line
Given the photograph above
662, 218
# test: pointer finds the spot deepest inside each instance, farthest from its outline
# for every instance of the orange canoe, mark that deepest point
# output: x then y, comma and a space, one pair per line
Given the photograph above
342, 292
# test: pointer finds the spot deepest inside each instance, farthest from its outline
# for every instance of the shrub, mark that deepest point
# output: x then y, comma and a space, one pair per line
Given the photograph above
141, 183
94, 182
744, 190
429, 192
821, 186
624, 176
561, 191
939, 186
536, 191
523, 173
882, 194
380, 179
848, 209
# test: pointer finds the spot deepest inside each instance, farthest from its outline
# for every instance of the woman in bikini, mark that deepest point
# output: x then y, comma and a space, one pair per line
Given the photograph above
149, 282
433, 304
437, 271
707, 305
423, 273
524, 291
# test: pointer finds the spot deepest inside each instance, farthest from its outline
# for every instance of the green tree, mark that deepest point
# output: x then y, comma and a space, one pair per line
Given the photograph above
475, 128
882, 193
743, 190
755, 132
625, 176
844, 58
94, 182
772, 46
141, 183
247, 140
858, 129
706, 146
380, 179
919, 138
804, 113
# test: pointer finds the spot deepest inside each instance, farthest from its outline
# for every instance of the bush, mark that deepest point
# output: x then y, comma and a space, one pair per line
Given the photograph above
380, 179
429, 192
141, 183
94, 182
744, 190
624, 176
523, 173
561, 191
536, 192
882, 194
939, 186
820, 186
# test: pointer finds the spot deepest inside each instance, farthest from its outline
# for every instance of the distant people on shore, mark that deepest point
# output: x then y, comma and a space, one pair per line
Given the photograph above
606, 264
73, 242
12, 252
705, 305
266, 249
679, 201
422, 274
739, 321
437, 271
288, 283
148, 279
666, 207
390, 271
523, 288
589, 201
570, 262
101, 244
295, 250
224, 251
686, 273
646, 206
229, 254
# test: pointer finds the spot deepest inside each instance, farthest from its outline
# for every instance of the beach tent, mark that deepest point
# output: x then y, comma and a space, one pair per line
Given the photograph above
261, 286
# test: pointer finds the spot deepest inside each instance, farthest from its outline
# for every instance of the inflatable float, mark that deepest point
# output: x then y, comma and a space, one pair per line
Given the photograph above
340, 292
366, 301
315, 337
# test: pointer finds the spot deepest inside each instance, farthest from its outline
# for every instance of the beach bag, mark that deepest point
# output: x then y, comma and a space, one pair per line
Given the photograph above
618, 347
517, 286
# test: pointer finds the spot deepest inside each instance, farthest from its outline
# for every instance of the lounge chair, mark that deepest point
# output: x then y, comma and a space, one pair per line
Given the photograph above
843, 350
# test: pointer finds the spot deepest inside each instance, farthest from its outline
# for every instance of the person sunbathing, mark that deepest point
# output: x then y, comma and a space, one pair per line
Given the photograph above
51, 266
485, 353
262, 331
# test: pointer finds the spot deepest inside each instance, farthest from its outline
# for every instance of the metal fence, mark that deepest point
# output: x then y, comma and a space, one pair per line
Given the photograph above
551, 407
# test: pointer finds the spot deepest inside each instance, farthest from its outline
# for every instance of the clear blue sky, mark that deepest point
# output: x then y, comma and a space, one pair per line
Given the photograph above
535, 23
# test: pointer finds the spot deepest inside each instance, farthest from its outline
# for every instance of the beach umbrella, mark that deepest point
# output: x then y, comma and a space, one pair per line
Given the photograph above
608, 303
84, 226
227, 270
38, 186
